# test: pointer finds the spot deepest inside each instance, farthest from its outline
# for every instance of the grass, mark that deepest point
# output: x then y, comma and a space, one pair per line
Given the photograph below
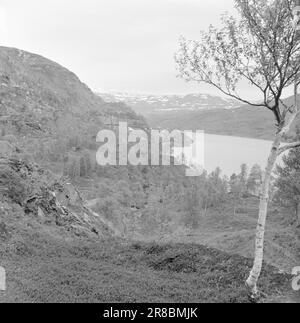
235, 234
47, 265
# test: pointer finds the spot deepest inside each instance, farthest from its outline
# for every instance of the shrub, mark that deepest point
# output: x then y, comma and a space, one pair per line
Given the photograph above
14, 186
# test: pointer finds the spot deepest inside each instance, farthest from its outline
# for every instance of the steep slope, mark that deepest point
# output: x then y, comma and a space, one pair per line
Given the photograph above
38, 78
29, 192
46, 113
38, 97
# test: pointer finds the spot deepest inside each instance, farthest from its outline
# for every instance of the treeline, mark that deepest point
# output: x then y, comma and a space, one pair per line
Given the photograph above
147, 199
160, 199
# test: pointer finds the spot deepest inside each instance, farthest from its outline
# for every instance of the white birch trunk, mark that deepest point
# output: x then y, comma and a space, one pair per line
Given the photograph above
262, 217
264, 199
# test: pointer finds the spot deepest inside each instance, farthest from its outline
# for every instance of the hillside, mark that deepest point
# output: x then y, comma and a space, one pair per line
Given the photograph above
73, 231
56, 250
240, 122
40, 98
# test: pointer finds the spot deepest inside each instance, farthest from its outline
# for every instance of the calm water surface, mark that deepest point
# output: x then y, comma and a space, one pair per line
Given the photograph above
229, 153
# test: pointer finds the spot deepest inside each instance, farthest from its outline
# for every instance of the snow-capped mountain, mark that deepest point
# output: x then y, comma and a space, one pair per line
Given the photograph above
145, 103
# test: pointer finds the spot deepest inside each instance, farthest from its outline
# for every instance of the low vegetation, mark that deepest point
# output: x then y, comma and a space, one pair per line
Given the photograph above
45, 266
72, 231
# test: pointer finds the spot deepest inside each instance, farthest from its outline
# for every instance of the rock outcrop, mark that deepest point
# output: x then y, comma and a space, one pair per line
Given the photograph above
43, 196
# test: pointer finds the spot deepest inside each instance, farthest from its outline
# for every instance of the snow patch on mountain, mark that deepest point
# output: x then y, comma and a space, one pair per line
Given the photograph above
147, 103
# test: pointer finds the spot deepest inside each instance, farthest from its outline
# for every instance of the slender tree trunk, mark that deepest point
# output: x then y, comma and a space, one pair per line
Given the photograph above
263, 210
264, 199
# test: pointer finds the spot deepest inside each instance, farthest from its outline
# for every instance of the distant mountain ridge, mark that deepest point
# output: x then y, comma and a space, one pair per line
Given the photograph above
147, 103
213, 114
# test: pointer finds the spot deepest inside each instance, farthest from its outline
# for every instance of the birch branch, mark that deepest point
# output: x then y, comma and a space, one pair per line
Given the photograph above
288, 147
296, 111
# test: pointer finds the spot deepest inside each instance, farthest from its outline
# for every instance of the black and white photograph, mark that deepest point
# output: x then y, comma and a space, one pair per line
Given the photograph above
149, 155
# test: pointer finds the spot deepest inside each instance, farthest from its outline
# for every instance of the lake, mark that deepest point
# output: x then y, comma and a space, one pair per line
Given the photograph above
229, 153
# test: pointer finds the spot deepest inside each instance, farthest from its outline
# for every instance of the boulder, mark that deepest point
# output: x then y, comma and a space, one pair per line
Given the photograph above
68, 196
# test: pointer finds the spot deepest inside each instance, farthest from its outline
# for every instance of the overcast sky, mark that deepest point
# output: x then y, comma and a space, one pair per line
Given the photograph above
125, 45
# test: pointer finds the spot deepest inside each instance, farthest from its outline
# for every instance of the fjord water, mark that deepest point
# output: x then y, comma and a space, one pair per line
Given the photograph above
229, 153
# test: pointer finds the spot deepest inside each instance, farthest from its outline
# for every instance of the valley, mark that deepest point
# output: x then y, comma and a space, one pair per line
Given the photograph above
73, 231
214, 115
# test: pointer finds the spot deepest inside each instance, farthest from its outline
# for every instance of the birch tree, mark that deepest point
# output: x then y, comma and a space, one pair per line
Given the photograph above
259, 46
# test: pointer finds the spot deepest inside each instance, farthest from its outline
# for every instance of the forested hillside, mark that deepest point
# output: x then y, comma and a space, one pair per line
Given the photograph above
245, 121
59, 209
46, 106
